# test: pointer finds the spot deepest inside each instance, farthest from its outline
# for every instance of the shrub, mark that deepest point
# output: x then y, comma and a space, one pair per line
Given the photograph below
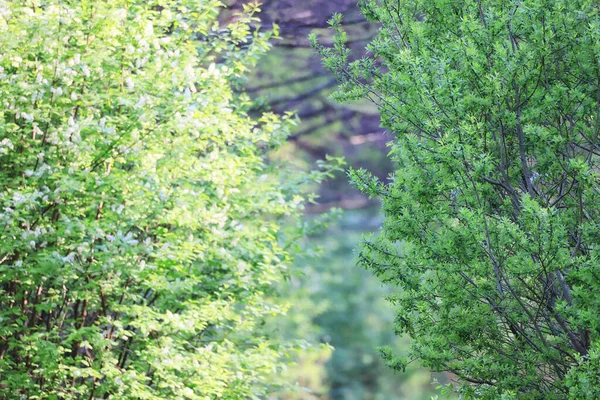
140, 220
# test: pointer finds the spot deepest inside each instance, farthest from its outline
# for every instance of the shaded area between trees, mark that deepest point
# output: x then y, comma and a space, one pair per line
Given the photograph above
291, 77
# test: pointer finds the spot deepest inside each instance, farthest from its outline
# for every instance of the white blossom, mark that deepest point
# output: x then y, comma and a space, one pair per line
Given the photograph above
37, 131
129, 83
57, 91
5, 145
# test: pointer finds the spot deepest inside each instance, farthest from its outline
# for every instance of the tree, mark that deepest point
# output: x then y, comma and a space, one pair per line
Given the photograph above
290, 77
490, 229
141, 223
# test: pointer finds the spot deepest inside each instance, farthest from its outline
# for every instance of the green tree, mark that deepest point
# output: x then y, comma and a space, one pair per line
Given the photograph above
491, 216
141, 224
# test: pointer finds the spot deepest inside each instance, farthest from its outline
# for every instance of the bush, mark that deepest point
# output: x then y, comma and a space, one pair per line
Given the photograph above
491, 228
140, 222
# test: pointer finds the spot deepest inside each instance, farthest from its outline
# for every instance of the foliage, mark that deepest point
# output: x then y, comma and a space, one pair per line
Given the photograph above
583, 380
491, 215
141, 222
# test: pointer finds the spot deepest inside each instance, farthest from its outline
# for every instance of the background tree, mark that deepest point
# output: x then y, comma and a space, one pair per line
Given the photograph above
291, 77
491, 215
140, 222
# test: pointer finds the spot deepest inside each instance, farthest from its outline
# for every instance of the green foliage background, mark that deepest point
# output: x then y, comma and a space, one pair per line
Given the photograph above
150, 211
337, 302
331, 299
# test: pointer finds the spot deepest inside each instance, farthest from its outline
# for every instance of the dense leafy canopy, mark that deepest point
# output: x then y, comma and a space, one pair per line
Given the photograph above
492, 214
140, 221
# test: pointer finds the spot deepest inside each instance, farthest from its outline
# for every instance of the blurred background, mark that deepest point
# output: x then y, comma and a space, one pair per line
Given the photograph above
333, 300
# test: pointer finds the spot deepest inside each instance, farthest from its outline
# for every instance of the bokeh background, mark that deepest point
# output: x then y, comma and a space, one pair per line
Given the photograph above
333, 301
